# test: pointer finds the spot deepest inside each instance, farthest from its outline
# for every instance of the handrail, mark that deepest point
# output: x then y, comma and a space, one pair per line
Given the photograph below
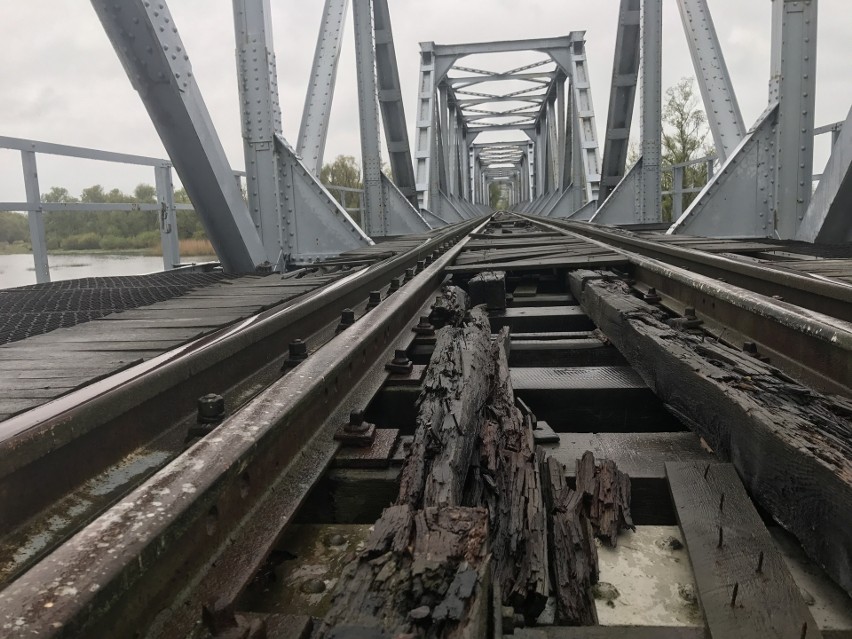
35, 207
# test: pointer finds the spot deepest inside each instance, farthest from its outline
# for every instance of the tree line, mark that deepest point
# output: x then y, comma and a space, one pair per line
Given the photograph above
685, 136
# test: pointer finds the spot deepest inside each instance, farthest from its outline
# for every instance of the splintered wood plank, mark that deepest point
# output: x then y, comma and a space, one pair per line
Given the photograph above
792, 446
743, 583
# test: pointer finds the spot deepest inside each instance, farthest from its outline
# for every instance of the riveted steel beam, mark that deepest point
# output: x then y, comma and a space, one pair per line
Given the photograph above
147, 42
317, 113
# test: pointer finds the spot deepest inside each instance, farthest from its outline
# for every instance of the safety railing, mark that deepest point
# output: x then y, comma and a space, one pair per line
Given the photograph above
35, 208
339, 193
678, 171
678, 193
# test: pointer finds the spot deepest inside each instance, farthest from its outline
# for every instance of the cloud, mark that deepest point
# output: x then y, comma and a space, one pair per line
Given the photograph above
69, 87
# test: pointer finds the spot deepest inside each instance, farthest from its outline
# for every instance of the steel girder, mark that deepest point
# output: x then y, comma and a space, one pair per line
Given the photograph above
299, 220
829, 216
260, 113
562, 152
622, 97
317, 113
636, 198
717, 90
147, 42
390, 100
764, 188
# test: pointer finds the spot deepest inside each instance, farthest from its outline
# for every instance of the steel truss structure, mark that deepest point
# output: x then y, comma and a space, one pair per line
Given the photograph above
553, 169
552, 165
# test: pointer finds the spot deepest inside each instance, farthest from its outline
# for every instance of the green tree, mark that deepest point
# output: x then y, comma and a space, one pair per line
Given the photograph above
684, 139
14, 227
346, 172
497, 197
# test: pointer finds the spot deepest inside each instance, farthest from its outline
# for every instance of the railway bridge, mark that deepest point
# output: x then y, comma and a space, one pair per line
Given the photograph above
568, 418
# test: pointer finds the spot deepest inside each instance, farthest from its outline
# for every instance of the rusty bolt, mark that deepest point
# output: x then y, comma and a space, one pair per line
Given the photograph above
651, 296
211, 409
347, 319
421, 266
409, 275
395, 285
400, 364
425, 327
375, 300
356, 422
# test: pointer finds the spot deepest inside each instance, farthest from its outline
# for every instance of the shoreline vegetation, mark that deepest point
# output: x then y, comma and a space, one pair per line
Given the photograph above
188, 248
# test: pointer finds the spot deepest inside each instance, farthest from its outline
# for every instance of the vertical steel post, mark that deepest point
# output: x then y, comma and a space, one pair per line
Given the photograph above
677, 192
794, 52
374, 218
261, 120
426, 143
317, 113
531, 160
652, 110
391, 103
564, 136
168, 216
35, 216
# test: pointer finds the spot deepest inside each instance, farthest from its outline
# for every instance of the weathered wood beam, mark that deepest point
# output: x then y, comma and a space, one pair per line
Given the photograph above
422, 573
456, 387
791, 446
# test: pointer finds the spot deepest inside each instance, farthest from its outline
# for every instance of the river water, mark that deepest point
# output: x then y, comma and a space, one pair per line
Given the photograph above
18, 270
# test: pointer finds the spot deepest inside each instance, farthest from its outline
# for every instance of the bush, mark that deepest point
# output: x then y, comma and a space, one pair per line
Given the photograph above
113, 243
81, 242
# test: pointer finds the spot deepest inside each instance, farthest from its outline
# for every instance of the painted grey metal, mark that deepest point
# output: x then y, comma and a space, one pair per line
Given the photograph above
764, 188
317, 112
35, 216
167, 217
391, 103
829, 216
146, 41
426, 139
585, 131
621, 205
738, 201
48, 148
260, 115
375, 218
622, 97
315, 225
717, 90
650, 209
794, 66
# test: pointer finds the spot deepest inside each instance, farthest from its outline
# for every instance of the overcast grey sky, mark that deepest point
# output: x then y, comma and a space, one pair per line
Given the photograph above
61, 81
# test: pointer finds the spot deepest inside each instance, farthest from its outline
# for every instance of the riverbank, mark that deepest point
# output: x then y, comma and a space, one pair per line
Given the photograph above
188, 248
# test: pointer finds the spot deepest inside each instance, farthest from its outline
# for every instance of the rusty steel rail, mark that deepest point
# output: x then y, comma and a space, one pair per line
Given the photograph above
831, 298
94, 428
202, 525
810, 345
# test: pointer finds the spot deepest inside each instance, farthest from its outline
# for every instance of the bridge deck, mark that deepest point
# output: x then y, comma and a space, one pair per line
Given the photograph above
112, 325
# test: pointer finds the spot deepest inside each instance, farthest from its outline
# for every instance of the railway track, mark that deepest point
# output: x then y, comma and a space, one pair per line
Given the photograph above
694, 387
